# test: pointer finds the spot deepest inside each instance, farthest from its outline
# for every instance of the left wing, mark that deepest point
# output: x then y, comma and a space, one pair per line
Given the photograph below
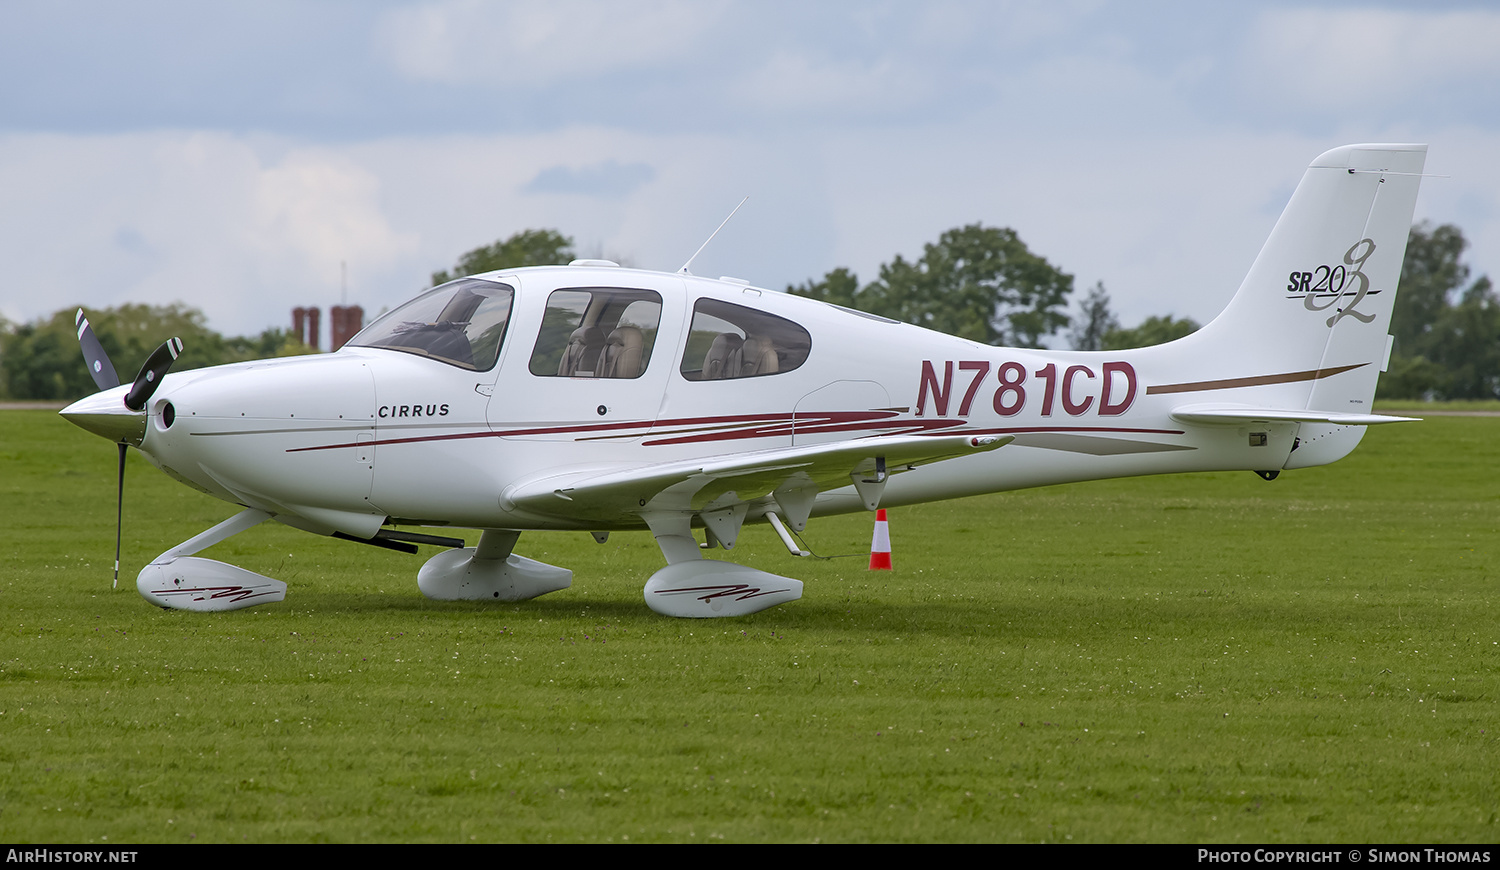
792, 476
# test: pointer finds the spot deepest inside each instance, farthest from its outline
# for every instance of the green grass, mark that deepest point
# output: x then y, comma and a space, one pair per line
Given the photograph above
1195, 658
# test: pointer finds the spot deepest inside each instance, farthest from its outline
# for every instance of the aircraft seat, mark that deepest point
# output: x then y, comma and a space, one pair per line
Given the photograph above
621, 357
584, 346
716, 362
757, 356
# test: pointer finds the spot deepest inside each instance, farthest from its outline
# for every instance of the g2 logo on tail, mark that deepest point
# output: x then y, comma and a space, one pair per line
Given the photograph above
1334, 283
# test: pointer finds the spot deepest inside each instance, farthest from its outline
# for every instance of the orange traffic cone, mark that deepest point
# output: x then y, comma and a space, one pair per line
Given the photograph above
880, 544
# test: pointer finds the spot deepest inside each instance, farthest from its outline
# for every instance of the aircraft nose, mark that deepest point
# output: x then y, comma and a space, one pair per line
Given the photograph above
105, 415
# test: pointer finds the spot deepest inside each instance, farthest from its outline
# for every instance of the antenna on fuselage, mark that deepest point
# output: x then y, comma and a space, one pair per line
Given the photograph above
684, 269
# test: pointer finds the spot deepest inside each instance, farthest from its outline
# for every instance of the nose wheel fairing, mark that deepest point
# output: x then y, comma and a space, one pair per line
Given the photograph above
181, 581
206, 585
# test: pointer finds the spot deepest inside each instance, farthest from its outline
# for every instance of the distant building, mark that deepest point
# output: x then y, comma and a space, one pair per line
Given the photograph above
343, 322
306, 326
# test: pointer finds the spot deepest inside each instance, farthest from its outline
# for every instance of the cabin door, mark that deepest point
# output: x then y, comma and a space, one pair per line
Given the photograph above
594, 363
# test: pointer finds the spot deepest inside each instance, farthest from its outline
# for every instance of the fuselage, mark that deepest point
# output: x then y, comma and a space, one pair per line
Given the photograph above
368, 435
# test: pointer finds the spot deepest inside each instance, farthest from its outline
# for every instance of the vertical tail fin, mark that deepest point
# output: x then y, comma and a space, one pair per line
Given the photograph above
1320, 294
1308, 329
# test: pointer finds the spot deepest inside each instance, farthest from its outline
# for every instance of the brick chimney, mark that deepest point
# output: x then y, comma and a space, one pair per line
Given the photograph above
306, 325
343, 322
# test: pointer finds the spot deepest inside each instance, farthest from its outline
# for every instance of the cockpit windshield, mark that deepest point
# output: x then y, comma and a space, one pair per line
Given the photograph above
461, 323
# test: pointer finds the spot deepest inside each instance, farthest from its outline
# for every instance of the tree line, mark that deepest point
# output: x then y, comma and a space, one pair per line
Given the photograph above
978, 282
1446, 327
984, 284
42, 360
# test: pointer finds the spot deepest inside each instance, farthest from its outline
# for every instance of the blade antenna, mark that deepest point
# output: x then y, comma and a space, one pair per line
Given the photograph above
684, 269
119, 513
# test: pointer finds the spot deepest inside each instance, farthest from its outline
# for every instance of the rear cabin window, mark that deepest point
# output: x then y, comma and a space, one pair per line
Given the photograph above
597, 332
730, 341
461, 323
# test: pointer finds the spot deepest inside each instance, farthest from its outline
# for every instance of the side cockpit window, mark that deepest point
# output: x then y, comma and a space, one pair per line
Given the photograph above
461, 323
597, 332
731, 341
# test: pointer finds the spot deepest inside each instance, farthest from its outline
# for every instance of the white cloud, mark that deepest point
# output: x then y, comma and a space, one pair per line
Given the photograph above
203, 218
322, 206
860, 132
512, 44
788, 82
1336, 59
607, 180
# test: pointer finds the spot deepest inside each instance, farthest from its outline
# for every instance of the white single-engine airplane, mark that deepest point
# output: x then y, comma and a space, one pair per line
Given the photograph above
595, 398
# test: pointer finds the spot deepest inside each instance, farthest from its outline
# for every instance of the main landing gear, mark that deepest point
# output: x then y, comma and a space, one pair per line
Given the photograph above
695, 587
689, 586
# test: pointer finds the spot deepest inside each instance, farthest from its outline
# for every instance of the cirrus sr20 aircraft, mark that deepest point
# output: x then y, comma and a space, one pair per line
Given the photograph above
595, 398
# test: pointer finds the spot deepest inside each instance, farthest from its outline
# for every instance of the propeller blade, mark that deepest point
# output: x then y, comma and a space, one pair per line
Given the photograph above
156, 367
100, 368
119, 514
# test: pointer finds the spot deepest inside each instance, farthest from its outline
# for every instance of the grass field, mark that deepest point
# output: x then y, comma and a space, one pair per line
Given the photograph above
1206, 657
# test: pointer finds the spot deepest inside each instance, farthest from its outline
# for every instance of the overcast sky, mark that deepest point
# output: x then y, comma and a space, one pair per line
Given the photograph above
232, 155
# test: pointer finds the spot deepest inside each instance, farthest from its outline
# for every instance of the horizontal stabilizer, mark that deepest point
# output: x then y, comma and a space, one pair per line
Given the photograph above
1235, 414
